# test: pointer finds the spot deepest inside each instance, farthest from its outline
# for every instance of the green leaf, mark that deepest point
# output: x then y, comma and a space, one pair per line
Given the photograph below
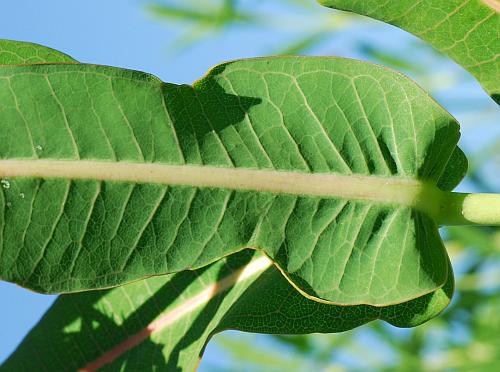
165, 322
329, 166
21, 53
467, 31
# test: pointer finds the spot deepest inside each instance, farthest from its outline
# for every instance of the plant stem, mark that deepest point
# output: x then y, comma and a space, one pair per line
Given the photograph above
470, 209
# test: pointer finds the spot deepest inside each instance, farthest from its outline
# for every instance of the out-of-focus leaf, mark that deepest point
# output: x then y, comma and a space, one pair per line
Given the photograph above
304, 44
226, 14
480, 238
389, 59
246, 352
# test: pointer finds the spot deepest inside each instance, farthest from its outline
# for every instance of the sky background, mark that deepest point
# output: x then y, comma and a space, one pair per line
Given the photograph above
124, 33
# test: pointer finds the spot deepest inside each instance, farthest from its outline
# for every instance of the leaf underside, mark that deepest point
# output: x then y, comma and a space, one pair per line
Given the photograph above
467, 31
236, 292
306, 115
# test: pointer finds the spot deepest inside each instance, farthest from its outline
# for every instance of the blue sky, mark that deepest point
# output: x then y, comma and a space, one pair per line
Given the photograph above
122, 33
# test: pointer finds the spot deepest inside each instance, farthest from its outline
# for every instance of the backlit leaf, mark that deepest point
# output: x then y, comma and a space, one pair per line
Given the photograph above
331, 167
163, 323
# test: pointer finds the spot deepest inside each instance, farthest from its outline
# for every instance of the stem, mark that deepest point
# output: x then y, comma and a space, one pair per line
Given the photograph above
470, 209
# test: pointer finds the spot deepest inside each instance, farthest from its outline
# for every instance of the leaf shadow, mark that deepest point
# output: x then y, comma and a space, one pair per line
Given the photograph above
144, 315
204, 109
98, 333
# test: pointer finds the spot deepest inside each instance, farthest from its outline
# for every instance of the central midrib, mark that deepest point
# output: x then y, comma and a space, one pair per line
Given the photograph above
387, 190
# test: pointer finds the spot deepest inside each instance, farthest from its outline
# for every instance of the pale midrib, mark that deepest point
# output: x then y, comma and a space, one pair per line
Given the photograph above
170, 317
387, 190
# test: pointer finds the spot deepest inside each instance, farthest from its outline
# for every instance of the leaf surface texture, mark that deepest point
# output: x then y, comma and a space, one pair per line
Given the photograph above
94, 162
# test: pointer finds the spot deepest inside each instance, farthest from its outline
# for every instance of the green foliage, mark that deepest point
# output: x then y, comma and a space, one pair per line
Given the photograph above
467, 31
219, 16
167, 320
353, 243
73, 200
189, 307
20, 53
